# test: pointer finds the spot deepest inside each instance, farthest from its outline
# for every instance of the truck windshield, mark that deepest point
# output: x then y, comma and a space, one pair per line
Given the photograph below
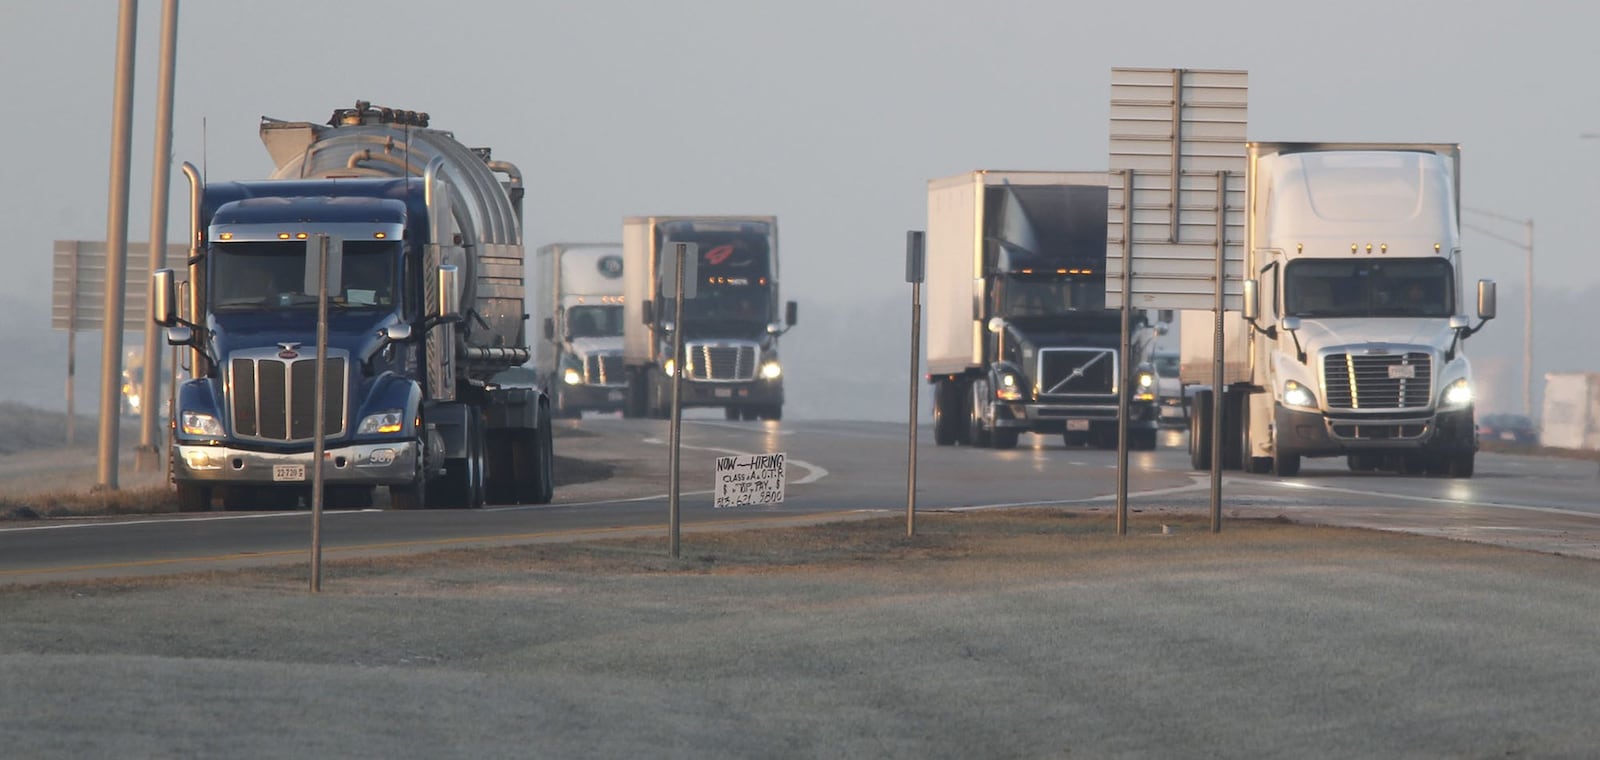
594, 321
1367, 288
272, 275
1045, 296
734, 270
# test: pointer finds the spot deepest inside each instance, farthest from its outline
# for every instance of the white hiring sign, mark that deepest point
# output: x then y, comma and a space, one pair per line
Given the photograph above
748, 479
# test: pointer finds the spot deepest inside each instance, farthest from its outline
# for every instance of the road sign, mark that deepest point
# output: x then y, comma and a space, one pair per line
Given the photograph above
78, 284
1180, 135
749, 479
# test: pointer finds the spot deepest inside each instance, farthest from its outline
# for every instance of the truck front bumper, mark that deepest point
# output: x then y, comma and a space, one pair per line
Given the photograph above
389, 463
603, 398
1309, 433
751, 393
1058, 418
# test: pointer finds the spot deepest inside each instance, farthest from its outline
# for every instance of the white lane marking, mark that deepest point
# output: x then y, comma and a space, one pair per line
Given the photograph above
213, 518
816, 473
1195, 484
1431, 499
735, 426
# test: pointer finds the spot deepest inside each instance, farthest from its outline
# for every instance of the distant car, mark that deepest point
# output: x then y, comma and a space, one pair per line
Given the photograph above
1514, 429
1172, 405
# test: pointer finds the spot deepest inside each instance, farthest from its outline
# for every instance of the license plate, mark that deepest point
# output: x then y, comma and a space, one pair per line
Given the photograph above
288, 472
1076, 425
723, 392
1402, 372
614, 396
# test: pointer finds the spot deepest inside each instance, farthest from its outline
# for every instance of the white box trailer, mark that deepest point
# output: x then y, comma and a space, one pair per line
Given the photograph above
1571, 417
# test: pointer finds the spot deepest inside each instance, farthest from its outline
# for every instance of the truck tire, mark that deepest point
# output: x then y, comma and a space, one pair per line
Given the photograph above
774, 412
637, 388
1461, 464
193, 497
462, 484
1200, 431
533, 456
1285, 465
1005, 438
945, 416
412, 496
977, 433
1233, 405
1142, 440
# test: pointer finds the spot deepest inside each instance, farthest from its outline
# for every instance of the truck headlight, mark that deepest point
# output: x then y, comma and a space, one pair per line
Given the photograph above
771, 370
196, 423
1295, 394
572, 376
1009, 389
387, 421
667, 368
1147, 387
1457, 395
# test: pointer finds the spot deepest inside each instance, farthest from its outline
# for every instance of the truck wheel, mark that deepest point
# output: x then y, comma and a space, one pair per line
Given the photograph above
977, 434
462, 484
413, 496
562, 410
944, 413
533, 453
774, 413
1200, 431
1005, 438
1285, 465
636, 394
193, 497
1142, 440
1462, 464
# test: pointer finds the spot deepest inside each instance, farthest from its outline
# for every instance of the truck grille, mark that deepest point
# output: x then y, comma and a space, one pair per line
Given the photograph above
603, 369
720, 362
1379, 381
275, 399
1068, 371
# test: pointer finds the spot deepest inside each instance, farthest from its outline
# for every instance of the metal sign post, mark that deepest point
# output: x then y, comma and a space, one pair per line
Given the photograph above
319, 426
915, 262
684, 258
1175, 222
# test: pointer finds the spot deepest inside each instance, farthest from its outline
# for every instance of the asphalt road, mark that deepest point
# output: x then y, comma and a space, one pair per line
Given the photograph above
836, 470
1044, 638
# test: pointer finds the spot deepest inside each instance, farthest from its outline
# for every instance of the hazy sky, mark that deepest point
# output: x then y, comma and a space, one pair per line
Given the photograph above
831, 114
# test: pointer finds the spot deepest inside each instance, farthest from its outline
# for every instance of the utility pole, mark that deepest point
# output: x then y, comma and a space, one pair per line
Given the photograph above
116, 247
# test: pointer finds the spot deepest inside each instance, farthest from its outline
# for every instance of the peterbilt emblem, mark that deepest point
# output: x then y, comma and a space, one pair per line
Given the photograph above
288, 351
610, 266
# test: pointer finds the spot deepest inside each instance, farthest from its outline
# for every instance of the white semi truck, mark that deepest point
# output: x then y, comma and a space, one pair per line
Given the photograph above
1350, 338
1019, 336
577, 298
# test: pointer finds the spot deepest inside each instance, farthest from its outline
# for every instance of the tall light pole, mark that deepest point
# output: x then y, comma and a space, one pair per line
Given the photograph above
1527, 300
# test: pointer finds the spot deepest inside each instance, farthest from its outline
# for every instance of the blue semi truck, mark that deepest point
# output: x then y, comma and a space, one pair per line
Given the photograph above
425, 307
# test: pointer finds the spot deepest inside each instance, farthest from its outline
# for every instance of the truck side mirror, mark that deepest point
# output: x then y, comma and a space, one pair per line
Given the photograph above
791, 313
163, 298
180, 335
1486, 299
549, 328
397, 333
449, 294
649, 312
1252, 304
